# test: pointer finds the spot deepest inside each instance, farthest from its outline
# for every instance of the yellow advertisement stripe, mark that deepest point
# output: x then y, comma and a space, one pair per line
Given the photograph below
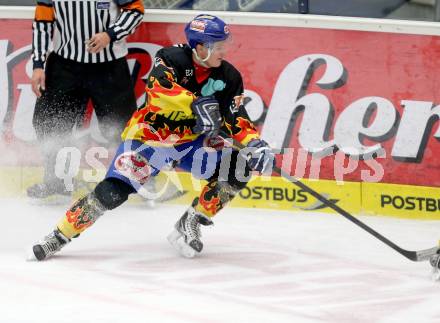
279, 194
403, 201
272, 193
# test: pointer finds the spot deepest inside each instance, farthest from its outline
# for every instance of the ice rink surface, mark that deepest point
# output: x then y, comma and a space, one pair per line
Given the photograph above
257, 266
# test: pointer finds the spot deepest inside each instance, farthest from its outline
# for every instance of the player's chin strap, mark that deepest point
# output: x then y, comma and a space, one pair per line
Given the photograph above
419, 255
200, 60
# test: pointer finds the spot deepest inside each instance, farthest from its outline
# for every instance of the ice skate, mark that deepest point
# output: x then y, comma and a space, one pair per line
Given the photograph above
435, 263
185, 237
48, 246
49, 193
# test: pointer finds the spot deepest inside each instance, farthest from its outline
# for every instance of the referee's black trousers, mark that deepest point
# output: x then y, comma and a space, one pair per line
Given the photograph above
69, 87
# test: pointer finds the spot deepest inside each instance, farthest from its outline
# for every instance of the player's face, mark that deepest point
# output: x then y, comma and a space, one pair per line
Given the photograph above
218, 53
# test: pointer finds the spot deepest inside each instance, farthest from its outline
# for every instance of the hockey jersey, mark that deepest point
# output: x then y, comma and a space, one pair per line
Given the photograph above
174, 82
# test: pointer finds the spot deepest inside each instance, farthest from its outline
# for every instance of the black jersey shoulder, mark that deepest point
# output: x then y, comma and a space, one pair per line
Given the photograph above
178, 57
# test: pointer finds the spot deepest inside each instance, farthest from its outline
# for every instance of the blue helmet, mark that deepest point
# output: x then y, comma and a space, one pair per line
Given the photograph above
206, 29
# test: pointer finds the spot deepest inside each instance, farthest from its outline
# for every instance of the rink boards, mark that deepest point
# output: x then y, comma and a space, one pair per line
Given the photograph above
336, 90
403, 201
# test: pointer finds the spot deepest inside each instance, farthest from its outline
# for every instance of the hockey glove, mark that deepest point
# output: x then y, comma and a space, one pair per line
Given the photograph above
259, 155
208, 118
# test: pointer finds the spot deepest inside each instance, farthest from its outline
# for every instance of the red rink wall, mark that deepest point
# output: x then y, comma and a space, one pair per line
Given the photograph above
319, 84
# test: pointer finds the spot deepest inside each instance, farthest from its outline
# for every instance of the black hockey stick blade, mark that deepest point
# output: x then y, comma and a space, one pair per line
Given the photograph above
420, 255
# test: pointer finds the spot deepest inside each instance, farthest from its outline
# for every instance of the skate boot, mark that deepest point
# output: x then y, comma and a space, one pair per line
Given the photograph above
50, 244
51, 193
185, 237
435, 263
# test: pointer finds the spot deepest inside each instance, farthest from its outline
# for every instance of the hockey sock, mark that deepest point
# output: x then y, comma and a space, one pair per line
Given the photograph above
214, 197
81, 215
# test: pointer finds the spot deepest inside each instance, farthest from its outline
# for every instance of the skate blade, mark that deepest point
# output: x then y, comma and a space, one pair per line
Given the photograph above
435, 274
30, 256
175, 238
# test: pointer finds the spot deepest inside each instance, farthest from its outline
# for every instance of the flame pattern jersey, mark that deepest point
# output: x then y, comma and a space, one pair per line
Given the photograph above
174, 82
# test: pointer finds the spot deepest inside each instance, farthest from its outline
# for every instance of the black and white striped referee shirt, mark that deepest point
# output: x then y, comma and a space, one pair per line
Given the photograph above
70, 23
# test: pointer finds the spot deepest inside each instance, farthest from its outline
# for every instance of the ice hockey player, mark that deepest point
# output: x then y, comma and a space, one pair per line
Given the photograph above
193, 93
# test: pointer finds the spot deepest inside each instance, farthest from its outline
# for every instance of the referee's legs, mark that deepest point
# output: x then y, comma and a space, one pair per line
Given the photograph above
61, 105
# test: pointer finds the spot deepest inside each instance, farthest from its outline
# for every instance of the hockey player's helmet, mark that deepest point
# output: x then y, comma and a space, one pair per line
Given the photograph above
206, 29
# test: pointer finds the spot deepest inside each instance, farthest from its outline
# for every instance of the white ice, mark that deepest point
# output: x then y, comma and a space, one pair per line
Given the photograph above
257, 266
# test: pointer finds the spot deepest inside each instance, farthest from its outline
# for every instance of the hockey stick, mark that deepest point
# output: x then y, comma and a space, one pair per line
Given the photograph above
420, 255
